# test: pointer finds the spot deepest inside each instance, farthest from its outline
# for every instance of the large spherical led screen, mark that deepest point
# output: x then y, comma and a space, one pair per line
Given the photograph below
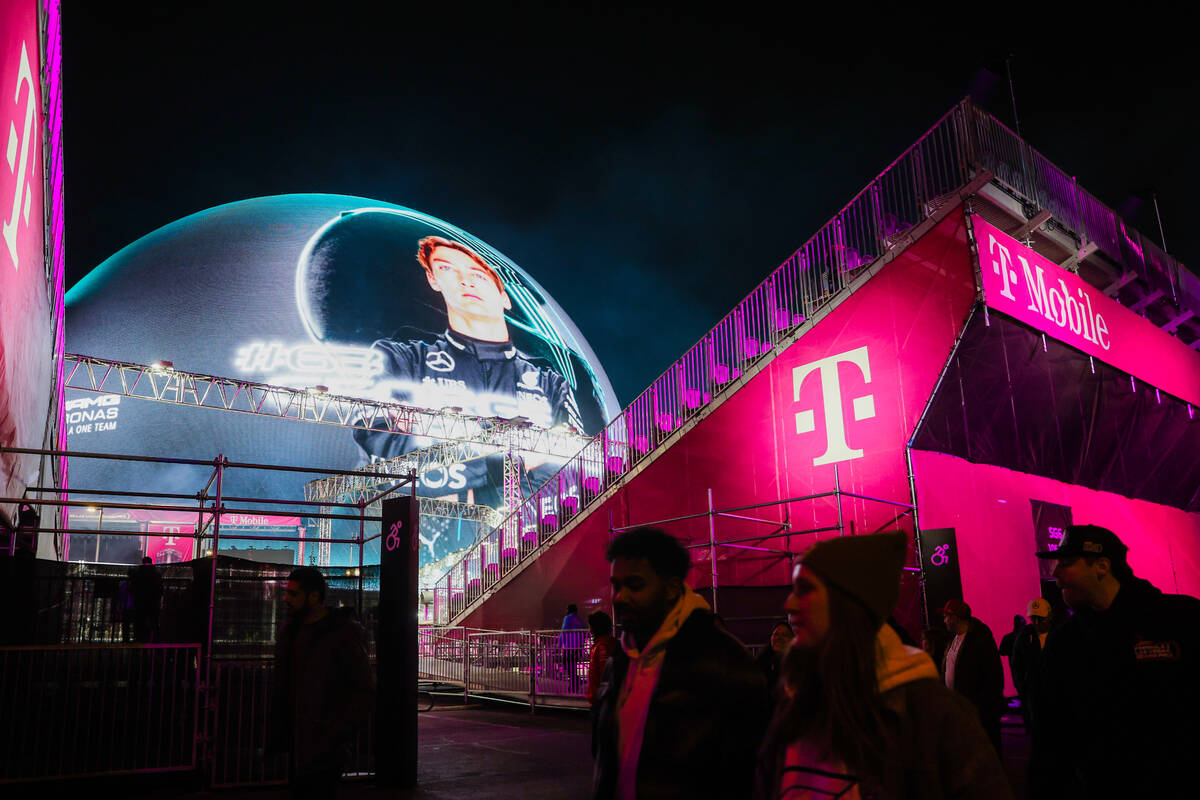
359, 297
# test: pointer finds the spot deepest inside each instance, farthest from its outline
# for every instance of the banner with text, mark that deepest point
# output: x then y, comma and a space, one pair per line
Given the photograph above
1038, 292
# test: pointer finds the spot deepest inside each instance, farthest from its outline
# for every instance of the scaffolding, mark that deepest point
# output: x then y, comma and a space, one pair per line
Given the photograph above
779, 529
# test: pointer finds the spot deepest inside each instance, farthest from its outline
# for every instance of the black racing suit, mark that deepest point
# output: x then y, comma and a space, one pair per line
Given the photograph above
482, 378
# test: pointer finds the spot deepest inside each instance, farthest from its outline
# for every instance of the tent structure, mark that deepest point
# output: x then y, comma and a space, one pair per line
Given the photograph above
975, 351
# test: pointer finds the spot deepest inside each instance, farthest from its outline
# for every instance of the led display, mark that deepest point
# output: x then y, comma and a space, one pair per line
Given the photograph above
354, 296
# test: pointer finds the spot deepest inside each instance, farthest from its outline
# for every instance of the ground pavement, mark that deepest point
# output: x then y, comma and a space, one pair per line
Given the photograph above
483, 751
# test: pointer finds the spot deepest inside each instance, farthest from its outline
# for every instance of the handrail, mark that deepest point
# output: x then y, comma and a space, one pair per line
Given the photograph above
962, 144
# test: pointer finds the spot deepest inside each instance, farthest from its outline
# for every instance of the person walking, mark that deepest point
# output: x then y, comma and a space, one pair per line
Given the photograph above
972, 666
1117, 714
683, 708
145, 586
864, 714
322, 688
570, 645
604, 645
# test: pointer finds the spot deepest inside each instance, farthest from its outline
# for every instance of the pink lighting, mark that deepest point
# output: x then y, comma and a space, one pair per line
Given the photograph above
1038, 292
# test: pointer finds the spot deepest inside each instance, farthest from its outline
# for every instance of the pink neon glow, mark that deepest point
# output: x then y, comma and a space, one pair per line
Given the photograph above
1030, 287
53, 69
990, 511
763, 442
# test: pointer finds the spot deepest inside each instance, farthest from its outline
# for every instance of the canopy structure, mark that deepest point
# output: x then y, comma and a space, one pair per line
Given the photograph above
966, 353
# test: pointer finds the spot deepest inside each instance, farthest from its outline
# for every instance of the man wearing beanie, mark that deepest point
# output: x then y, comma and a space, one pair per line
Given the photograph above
866, 715
972, 666
1118, 714
682, 708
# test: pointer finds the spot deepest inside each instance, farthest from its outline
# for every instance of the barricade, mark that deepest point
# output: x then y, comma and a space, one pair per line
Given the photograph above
82, 710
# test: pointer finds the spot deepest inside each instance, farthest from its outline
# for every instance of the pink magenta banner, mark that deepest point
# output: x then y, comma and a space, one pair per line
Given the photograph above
26, 347
1019, 282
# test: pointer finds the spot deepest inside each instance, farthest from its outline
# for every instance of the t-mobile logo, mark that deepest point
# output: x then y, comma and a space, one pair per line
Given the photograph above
836, 448
20, 167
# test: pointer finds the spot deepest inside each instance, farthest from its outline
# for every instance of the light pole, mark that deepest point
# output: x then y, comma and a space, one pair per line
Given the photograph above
99, 528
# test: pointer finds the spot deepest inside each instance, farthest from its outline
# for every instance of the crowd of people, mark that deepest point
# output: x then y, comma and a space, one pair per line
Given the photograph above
837, 705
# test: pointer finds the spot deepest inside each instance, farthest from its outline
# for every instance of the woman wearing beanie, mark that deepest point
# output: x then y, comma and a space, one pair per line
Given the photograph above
867, 716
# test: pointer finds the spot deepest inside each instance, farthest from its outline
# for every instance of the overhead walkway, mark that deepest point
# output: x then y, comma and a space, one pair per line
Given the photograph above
967, 162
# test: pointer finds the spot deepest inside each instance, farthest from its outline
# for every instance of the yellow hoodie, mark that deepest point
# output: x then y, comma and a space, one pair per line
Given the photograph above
633, 703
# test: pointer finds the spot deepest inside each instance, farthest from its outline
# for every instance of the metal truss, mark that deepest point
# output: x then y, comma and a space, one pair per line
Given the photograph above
364, 487
165, 384
485, 516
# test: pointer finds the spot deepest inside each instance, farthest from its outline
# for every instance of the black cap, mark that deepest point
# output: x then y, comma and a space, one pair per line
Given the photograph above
1088, 540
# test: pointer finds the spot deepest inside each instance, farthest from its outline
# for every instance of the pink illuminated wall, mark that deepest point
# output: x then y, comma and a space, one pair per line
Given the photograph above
989, 508
1035, 290
52, 78
26, 346
846, 396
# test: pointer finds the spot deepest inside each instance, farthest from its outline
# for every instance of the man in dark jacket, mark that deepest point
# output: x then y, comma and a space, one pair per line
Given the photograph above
683, 708
322, 686
1026, 658
1118, 716
972, 666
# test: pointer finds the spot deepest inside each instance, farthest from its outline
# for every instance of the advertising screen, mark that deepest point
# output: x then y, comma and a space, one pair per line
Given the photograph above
357, 297
25, 327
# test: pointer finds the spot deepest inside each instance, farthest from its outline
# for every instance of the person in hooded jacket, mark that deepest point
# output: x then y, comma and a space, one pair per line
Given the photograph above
682, 708
1120, 702
866, 715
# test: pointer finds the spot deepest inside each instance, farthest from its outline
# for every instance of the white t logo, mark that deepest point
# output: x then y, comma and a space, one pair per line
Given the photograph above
20, 168
836, 448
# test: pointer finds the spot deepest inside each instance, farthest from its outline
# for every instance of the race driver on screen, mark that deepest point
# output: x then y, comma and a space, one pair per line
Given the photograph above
473, 365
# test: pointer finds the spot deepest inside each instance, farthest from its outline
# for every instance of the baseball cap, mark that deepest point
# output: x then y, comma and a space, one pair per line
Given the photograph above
1088, 540
1038, 607
958, 608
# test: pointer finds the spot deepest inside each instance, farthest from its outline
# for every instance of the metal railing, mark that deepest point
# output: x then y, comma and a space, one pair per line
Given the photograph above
965, 143
72, 711
237, 729
528, 664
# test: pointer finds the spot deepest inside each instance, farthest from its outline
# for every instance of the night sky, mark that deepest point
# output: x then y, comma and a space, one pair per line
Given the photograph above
648, 166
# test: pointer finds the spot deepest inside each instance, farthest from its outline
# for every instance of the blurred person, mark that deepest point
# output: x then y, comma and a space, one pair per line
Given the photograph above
1025, 661
1117, 713
934, 642
772, 656
682, 708
322, 687
570, 644
604, 645
146, 590
1006, 641
972, 666
866, 715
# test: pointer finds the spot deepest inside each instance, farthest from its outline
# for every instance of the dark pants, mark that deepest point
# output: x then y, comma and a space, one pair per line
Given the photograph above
315, 784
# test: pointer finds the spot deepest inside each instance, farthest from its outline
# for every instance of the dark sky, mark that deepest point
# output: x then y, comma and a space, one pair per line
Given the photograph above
647, 166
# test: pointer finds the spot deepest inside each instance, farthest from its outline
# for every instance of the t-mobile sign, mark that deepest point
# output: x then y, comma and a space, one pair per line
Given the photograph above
1035, 290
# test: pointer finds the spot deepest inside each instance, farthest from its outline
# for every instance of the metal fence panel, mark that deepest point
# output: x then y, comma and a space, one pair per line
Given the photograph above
100, 709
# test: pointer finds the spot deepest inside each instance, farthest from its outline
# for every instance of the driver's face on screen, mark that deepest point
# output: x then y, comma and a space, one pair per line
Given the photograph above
468, 288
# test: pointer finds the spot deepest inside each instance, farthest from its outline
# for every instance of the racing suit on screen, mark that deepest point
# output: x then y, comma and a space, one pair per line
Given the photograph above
482, 378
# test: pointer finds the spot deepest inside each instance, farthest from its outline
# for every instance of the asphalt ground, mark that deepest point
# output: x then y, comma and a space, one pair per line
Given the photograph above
481, 751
